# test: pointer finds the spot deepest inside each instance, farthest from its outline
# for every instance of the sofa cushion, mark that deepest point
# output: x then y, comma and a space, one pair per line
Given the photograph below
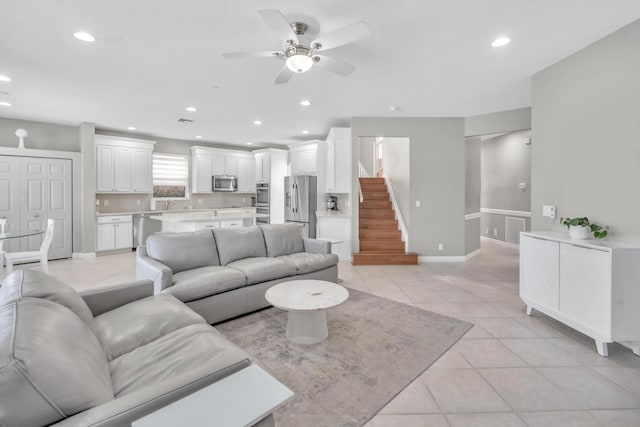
183, 251
239, 243
185, 349
282, 239
263, 269
30, 283
135, 324
205, 281
51, 364
308, 263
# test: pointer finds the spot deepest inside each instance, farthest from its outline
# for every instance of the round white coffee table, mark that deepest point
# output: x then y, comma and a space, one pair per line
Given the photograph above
306, 302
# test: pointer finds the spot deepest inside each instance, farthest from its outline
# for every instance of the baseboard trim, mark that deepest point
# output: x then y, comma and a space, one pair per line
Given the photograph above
83, 255
423, 259
470, 255
500, 242
473, 215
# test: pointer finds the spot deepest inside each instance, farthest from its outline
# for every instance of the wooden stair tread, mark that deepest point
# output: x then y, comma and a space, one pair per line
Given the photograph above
384, 258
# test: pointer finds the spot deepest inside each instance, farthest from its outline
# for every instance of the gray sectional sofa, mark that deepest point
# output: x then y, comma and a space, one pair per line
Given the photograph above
225, 273
104, 359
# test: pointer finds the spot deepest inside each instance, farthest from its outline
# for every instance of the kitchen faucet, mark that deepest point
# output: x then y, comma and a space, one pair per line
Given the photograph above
168, 204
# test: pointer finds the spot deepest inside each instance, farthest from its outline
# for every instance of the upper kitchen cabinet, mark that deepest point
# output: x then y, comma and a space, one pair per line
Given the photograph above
339, 160
207, 162
262, 167
123, 165
305, 156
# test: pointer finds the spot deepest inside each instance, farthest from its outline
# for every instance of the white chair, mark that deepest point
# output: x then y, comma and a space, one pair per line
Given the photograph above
32, 256
3, 223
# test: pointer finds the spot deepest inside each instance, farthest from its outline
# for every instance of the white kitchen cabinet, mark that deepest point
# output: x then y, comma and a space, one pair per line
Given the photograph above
336, 229
592, 286
123, 165
206, 162
114, 232
245, 173
304, 159
339, 160
142, 170
208, 225
232, 223
263, 168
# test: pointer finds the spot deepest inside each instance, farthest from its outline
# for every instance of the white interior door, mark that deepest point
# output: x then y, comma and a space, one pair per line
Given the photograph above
10, 198
45, 192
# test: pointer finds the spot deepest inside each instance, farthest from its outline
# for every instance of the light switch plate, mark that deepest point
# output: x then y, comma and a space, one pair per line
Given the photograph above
549, 211
417, 203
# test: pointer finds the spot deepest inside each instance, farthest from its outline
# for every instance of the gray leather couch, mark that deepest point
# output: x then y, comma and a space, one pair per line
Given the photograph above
225, 273
105, 358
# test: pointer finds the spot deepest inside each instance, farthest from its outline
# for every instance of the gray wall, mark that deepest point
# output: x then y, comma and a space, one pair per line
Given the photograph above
86, 136
472, 193
437, 178
502, 121
506, 162
585, 152
396, 167
42, 136
367, 145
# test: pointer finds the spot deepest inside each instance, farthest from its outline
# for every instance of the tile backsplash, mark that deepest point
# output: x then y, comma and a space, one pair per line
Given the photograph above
107, 203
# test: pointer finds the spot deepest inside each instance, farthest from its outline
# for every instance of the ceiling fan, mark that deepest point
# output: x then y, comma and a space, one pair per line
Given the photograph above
300, 54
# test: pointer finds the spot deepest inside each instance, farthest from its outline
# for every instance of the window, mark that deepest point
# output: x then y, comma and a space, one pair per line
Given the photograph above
170, 176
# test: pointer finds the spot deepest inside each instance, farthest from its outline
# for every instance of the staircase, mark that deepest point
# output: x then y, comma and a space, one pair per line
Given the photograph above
380, 239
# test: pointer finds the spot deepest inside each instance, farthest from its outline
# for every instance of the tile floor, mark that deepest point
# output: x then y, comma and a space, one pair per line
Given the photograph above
508, 370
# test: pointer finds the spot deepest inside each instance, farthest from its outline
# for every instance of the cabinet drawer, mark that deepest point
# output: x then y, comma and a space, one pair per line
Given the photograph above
232, 223
207, 225
112, 219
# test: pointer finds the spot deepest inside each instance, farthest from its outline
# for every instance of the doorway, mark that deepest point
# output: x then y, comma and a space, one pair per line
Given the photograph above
32, 190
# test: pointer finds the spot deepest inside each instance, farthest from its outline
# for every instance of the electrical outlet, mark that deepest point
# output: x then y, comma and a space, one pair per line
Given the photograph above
199, 201
486, 231
440, 247
495, 231
417, 203
549, 211
105, 202
97, 202
244, 199
138, 202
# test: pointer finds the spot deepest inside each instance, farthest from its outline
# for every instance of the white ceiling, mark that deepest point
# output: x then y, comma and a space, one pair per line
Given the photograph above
154, 58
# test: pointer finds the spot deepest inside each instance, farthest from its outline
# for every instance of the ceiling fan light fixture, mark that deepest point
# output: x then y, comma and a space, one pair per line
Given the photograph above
299, 63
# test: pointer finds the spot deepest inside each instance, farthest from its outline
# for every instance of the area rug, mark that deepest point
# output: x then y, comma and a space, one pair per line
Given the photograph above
375, 348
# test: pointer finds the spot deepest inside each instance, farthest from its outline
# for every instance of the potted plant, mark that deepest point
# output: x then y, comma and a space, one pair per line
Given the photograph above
581, 228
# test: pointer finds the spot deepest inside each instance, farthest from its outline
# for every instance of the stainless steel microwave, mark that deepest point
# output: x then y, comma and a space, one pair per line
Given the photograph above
224, 183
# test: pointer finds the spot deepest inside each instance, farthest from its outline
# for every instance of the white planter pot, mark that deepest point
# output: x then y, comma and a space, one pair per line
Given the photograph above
580, 232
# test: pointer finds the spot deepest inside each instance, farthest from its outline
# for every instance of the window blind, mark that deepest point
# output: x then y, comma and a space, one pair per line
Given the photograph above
170, 169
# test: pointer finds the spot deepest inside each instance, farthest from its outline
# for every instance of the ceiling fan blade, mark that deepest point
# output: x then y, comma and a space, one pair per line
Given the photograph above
284, 76
278, 24
342, 36
333, 65
242, 55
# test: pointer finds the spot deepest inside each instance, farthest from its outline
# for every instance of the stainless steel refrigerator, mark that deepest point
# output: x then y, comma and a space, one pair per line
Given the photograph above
300, 200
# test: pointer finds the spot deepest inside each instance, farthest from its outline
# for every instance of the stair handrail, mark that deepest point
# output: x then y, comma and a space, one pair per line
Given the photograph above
396, 208
360, 192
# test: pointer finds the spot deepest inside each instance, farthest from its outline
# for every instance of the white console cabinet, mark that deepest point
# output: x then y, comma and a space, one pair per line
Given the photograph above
591, 286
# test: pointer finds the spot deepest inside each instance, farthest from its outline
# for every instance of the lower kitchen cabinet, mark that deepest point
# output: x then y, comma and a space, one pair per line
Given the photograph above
114, 232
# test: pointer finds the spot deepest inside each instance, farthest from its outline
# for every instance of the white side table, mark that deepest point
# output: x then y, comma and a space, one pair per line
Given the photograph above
241, 399
306, 301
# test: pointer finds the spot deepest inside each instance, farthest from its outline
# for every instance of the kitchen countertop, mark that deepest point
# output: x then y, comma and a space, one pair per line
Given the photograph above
204, 216
332, 214
173, 211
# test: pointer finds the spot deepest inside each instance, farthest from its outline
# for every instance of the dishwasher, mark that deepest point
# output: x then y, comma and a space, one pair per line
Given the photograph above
144, 226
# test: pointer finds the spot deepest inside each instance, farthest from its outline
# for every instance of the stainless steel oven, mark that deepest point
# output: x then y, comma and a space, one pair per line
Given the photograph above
262, 195
262, 210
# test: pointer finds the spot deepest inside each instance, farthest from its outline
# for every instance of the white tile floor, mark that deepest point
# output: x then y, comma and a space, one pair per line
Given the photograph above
508, 370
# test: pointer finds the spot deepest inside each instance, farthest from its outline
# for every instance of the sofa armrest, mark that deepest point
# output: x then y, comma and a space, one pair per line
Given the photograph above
149, 268
123, 410
106, 299
315, 246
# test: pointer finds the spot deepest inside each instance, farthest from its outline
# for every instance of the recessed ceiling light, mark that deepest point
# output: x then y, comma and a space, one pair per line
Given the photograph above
305, 131
4, 78
394, 108
257, 122
305, 102
198, 136
5, 104
501, 41
191, 109
85, 37
249, 143
131, 128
